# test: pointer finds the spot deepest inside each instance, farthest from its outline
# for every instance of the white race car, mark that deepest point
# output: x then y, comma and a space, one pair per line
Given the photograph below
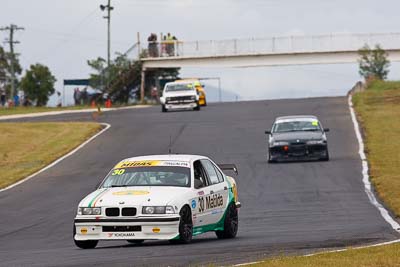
160, 197
180, 95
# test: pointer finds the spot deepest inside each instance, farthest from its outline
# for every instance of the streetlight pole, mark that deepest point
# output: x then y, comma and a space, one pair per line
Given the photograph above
108, 17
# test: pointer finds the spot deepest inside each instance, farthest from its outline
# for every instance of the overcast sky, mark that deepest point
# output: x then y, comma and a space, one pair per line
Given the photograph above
63, 34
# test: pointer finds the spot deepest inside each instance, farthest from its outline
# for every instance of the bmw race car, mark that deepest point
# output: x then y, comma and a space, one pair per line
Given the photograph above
161, 197
297, 137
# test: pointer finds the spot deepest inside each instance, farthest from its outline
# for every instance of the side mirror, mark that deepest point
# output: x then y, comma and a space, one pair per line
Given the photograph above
267, 132
203, 85
326, 129
197, 184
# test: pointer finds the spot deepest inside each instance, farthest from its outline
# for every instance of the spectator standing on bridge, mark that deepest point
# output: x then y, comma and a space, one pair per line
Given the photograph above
153, 51
170, 44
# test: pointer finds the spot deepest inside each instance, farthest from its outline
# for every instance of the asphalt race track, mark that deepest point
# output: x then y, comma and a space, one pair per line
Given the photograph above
293, 208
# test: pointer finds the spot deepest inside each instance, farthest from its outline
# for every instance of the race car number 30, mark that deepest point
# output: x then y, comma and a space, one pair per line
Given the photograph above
210, 202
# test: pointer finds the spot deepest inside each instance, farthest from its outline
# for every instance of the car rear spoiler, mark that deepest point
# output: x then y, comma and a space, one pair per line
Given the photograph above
228, 167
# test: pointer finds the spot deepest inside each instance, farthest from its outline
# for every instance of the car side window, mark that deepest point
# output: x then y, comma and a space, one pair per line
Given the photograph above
219, 174
212, 173
200, 178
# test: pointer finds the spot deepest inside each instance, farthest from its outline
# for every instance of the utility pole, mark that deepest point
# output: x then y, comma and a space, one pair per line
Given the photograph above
12, 28
109, 8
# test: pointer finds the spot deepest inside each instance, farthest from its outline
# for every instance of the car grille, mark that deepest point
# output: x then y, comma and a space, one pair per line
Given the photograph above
115, 212
112, 212
180, 99
134, 228
128, 212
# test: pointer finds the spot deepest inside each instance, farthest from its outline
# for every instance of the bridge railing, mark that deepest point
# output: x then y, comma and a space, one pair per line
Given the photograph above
272, 45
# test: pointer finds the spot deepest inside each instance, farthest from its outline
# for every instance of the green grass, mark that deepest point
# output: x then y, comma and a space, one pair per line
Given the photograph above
383, 256
378, 110
27, 147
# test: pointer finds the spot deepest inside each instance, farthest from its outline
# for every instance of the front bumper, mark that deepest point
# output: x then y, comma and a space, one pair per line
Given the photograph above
156, 228
299, 152
190, 105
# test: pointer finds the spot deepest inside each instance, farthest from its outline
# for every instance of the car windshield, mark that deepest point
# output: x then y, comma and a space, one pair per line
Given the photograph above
179, 87
294, 126
148, 176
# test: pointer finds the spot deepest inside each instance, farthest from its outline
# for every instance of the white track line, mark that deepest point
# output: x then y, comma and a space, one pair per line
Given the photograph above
53, 113
107, 126
368, 190
367, 184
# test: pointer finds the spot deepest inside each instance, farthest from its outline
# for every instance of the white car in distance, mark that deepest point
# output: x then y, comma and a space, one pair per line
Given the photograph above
179, 95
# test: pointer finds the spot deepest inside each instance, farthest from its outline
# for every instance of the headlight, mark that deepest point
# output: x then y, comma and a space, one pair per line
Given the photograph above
89, 211
158, 210
167, 99
315, 142
280, 143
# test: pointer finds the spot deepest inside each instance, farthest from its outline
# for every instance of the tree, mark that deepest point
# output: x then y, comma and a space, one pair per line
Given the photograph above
373, 63
38, 84
3, 65
5, 69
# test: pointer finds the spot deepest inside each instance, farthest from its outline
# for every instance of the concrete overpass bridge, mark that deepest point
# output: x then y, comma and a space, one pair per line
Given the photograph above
273, 51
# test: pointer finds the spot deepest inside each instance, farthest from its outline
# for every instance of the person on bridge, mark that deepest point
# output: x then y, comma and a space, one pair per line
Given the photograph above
153, 46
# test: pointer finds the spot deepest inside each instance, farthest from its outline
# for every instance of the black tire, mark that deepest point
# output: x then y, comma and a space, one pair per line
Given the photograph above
270, 160
163, 109
135, 241
231, 223
326, 158
185, 227
197, 108
84, 244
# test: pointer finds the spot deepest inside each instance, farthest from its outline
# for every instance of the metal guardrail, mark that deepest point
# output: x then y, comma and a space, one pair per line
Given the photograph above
272, 45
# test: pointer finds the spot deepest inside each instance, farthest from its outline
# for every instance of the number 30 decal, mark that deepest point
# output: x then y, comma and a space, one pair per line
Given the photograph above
118, 172
201, 204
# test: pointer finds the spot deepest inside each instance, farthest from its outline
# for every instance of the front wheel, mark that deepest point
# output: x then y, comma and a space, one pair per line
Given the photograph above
270, 159
185, 227
197, 108
231, 223
326, 158
163, 109
84, 244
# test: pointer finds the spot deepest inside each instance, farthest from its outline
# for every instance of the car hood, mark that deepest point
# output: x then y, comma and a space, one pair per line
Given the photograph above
180, 93
136, 196
297, 136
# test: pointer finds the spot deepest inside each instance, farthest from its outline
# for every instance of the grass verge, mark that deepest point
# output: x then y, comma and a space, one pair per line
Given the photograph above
27, 147
382, 256
378, 110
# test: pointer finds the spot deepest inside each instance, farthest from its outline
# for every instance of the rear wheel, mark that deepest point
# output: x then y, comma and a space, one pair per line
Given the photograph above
185, 227
84, 244
231, 223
